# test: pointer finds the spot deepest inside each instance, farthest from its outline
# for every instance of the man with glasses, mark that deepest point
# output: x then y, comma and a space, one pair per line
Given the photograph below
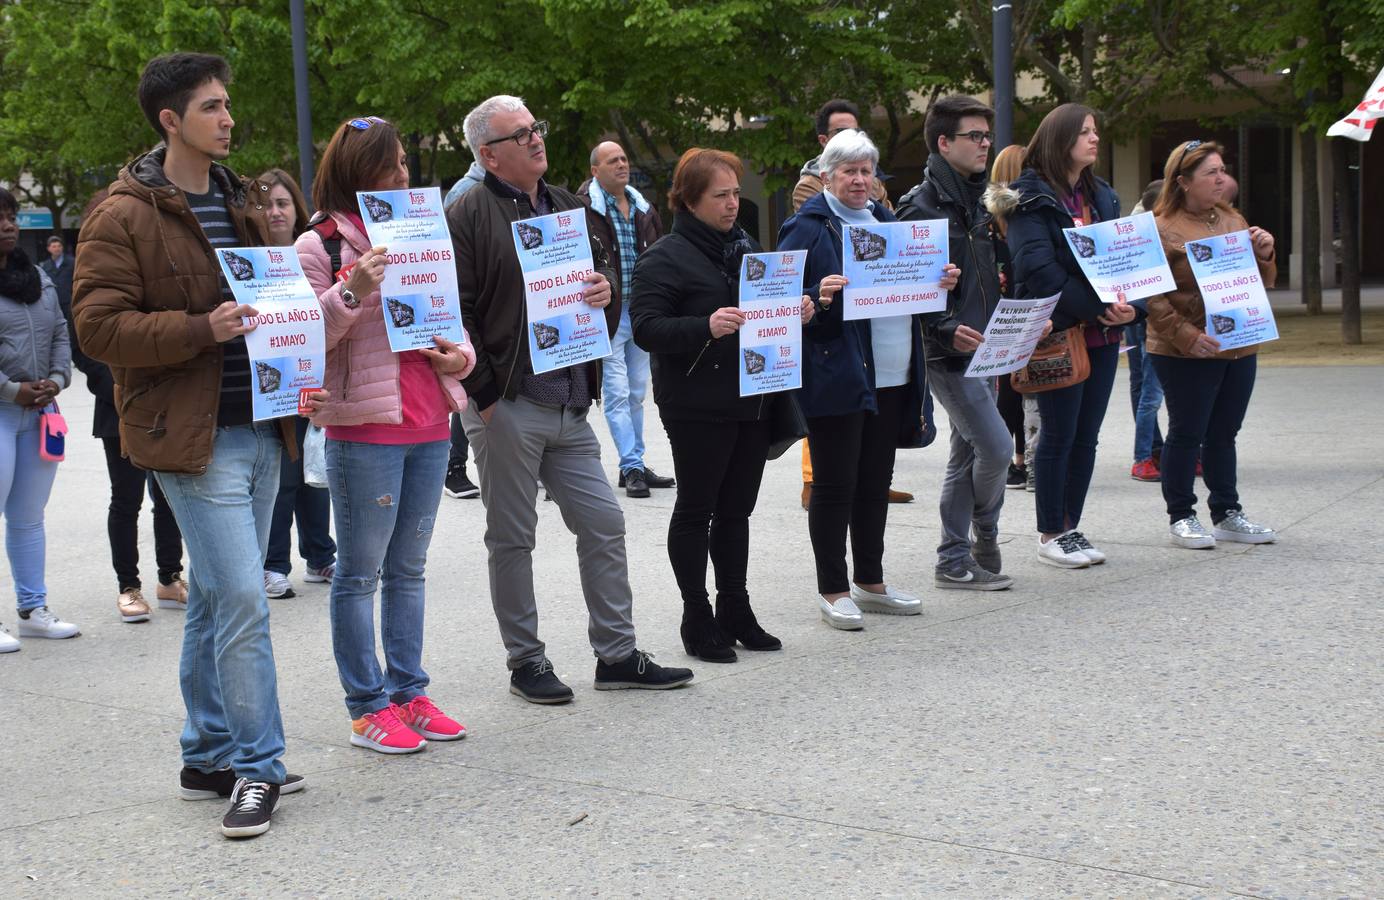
957, 130
628, 225
834, 117
523, 426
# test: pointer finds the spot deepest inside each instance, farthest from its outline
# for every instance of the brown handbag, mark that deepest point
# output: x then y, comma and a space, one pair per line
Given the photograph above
1060, 360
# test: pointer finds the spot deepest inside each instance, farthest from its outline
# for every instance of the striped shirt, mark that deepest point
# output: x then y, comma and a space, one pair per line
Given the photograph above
235, 408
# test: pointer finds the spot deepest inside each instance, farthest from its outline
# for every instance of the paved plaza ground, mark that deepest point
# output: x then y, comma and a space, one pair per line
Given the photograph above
1171, 724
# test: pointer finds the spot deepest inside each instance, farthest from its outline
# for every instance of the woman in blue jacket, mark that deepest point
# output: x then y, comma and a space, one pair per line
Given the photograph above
1057, 190
864, 392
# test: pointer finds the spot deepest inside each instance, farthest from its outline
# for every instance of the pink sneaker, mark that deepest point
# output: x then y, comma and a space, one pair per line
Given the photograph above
382, 731
432, 723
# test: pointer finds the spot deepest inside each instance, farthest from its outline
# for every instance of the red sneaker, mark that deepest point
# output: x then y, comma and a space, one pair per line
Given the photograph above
1145, 470
383, 732
424, 717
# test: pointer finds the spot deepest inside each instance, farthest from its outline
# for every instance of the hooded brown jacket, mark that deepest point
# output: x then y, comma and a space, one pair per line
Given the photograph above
144, 283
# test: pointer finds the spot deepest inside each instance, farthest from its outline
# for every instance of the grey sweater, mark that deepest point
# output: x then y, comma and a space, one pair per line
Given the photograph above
33, 341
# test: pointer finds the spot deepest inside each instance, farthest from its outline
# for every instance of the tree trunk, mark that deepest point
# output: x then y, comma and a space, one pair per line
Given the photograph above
1311, 225
1348, 211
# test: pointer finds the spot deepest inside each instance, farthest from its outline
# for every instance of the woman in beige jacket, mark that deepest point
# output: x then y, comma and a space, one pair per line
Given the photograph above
1207, 389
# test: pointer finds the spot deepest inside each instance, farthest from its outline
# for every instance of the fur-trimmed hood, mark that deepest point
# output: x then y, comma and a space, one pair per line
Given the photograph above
1000, 200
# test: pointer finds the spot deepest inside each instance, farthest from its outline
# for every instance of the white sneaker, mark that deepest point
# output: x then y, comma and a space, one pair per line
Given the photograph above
1095, 556
276, 586
1190, 534
43, 624
8, 642
1062, 552
318, 576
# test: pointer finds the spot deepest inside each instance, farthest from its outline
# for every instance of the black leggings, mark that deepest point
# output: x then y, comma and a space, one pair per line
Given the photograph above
1011, 405
852, 466
122, 521
718, 466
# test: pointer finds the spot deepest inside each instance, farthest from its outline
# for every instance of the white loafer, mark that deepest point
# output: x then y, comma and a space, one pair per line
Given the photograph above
890, 603
842, 614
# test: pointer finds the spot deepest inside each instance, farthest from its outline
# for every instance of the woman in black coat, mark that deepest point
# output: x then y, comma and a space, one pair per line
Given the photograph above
684, 312
1057, 190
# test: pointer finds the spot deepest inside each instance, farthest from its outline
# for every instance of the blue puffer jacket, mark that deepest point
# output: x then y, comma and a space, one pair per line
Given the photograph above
1043, 262
838, 361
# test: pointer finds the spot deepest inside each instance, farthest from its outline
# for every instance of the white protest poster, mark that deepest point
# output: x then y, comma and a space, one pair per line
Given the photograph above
1010, 336
419, 292
1123, 259
771, 339
894, 268
288, 348
555, 255
1238, 313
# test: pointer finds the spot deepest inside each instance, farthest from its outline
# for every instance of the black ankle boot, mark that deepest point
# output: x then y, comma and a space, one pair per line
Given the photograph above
703, 639
738, 623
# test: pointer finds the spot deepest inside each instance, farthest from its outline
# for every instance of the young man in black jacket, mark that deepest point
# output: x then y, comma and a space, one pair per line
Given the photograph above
958, 133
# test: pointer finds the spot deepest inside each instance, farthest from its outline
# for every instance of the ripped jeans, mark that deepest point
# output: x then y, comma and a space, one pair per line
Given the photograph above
384, 499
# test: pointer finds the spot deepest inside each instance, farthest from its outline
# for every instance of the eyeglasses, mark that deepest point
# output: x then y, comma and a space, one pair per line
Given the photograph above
835, 131
977, 137
524, 136
365, 123
1190, 145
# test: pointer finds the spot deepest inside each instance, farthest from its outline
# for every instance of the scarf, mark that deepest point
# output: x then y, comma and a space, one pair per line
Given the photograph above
19, 279
966, 191
725, 249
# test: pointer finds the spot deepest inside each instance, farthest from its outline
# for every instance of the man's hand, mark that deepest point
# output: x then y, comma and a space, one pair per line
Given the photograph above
726, 320
808, 309
597, 290
450, 358
965, 339
950, 276
227, 321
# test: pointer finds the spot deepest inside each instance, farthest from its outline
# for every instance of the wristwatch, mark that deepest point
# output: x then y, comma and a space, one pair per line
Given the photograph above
349, 299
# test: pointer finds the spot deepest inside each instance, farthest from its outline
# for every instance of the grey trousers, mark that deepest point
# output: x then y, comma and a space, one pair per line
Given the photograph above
981, 448
524, 441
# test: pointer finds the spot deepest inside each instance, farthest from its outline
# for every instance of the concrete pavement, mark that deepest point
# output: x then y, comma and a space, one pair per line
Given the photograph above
1171, 724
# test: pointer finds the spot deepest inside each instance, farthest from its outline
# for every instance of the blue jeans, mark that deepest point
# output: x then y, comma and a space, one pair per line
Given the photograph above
313, 509
1066, 454
624, 382
1146, 395
227, 672
26, 480
385, 499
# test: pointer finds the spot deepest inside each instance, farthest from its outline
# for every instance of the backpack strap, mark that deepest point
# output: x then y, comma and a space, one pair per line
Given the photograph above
326, 229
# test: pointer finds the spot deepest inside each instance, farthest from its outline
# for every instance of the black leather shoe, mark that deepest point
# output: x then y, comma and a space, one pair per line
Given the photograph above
635, 485
638, 671
536, 683
703, 639
654, 480
737, 622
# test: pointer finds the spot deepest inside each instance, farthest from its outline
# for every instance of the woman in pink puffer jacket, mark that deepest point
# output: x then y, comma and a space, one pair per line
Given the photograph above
386, 416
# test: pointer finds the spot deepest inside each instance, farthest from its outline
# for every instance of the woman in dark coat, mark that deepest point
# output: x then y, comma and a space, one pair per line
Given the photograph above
684, 311
1057, 190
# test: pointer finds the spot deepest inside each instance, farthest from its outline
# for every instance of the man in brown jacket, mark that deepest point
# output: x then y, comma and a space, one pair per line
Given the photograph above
524, 425
151, 303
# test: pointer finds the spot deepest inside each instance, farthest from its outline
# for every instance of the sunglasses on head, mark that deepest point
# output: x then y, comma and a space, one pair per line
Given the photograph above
365, 123
1188, 147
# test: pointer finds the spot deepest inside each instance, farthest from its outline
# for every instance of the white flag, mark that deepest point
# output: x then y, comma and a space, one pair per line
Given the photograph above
1359, 123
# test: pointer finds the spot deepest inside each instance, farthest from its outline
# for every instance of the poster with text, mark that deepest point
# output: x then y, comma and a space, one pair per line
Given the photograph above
419, 293
771, 339
894, 268
1237, 306
1123, 259
288, 348
555, 255
1010, 336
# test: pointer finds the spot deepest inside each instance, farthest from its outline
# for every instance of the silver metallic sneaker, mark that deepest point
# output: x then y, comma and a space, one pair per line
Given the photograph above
1190, 534
891, 603
1235, 527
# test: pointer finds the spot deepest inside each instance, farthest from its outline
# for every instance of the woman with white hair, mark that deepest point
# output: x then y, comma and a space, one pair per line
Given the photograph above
864, 389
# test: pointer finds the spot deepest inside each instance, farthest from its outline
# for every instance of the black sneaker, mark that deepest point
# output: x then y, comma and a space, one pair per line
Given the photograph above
1017, 478
458, 485
194, 784
536, 683
638, 671
635, 484
655, 480
252, 806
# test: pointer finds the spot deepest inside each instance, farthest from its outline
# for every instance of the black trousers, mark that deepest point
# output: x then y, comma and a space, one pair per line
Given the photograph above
1011, 406
852, 466
719, 466
122, 521
461, 448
